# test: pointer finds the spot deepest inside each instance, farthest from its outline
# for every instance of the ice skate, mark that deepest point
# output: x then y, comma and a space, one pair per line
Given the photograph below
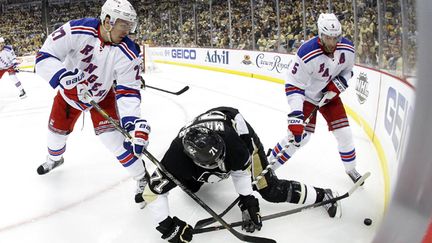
22, 94
141, 184
333, 209
49, 165
354, 175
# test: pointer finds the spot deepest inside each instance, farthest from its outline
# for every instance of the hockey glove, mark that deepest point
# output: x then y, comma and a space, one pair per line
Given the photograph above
175, 230
295, 127
334, 88
15, 68
251, 215
139, 130
75, 87
70, 79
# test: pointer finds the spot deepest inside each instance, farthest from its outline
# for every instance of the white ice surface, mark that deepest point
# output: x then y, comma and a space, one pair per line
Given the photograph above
90, 197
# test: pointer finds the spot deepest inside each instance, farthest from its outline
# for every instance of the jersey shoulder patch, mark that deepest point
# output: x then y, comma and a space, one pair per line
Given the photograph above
85, 26
346, 45
129, 48
310, 50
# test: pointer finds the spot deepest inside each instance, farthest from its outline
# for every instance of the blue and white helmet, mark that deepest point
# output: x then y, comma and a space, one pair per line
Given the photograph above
119, 9
329, 25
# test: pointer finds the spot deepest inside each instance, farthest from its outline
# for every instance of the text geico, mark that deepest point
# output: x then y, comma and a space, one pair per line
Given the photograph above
183, 54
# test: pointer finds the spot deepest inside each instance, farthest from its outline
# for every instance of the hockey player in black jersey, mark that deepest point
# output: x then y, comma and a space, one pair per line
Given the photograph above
214, 146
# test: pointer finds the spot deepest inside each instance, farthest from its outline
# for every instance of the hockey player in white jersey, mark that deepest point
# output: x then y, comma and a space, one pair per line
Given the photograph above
8, 63
86, 56
320, 70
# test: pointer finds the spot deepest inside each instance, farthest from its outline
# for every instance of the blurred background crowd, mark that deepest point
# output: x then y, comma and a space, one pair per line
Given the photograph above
384, 31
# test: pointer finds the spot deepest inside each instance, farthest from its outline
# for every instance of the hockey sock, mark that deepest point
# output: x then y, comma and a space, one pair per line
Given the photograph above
348, 159
113, 141
56, 145
302, 194
17, 82
346, 147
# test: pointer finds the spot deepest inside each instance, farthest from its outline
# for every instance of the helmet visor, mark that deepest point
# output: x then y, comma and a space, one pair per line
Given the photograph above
125, 26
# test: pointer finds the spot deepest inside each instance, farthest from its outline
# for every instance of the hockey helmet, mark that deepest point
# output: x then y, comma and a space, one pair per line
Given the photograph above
328, 24
205, 147
2, 40
119, 9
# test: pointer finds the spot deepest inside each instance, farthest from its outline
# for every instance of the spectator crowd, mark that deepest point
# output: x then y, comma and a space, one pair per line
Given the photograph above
200, 24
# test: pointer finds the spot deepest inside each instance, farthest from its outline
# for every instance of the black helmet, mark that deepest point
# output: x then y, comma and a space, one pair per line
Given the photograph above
205, 147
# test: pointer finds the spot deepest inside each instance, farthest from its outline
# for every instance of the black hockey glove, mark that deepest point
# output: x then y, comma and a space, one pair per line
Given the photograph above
175, 230
251, 216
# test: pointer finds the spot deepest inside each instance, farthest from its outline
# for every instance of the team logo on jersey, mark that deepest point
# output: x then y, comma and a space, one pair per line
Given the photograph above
362, 88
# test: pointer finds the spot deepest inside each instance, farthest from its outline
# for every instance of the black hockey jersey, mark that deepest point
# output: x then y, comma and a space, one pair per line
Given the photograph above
233, 129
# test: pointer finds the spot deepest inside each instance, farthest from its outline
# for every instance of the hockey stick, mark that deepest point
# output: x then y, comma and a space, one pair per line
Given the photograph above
204, 222
184, 89
271, 163
293, 211
237, 234
25, 71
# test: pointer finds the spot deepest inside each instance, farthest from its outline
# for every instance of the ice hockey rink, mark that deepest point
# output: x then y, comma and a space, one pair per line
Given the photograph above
90, 197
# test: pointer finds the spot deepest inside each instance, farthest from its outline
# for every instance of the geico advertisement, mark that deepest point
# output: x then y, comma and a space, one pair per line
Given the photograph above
183, 54
174, 54
394, 119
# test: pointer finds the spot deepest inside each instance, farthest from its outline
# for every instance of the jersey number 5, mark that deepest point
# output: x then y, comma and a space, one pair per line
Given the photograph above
59, 33
294, 69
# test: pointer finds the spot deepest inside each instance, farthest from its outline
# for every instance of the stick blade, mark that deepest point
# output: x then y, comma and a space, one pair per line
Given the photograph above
249, 238
186, 88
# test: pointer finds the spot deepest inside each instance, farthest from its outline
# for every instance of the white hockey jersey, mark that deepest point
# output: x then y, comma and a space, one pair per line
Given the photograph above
77, 44
311, 70
7, 58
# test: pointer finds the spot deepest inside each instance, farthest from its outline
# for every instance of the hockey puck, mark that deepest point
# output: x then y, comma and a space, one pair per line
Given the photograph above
367, 221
